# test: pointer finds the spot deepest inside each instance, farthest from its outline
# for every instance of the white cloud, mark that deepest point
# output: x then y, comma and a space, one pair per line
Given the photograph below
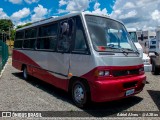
74, 5
20, 1
62, 2
137, 13
39, 13
130, 14
16, 1
156, 15
129, 5
25, 12
31, 1
98, 10
96, 5
3, 15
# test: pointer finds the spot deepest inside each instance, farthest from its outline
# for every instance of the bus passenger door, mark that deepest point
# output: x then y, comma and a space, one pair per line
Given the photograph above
66, 29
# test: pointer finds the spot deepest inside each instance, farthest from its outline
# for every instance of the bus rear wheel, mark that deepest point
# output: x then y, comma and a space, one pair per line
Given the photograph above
25, 74
80, 94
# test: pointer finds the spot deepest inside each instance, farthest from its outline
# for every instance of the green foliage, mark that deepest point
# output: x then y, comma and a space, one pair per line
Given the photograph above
21, 26
5, 24
13, 33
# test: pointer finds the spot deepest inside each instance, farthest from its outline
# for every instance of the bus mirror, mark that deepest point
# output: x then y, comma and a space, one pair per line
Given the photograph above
65, 28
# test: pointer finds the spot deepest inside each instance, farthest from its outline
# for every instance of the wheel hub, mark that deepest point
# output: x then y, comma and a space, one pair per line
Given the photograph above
79, 93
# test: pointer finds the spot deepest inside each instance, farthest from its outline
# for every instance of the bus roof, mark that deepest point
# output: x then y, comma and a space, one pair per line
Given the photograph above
52, 19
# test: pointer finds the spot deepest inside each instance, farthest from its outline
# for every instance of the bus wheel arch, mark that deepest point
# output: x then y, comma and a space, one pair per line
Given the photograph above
83, 87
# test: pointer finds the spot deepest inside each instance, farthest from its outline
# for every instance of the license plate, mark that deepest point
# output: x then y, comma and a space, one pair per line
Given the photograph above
129, 92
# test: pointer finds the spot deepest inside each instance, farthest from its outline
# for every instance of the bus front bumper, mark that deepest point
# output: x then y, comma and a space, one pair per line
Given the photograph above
108, 90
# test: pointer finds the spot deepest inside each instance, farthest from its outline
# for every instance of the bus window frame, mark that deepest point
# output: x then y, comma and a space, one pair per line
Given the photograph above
71, 50
87, 52
24, 38
38, 37
19, 39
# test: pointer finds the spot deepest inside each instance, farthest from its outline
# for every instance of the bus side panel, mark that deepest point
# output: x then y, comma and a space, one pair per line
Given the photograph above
50, 78
16, 60
17, 65
37, 71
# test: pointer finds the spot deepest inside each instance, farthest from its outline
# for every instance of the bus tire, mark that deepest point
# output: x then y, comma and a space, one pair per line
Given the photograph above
80, 94
25, 74
154, 69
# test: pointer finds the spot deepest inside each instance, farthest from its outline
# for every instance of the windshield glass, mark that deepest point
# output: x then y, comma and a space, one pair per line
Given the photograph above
107, 34
133, 36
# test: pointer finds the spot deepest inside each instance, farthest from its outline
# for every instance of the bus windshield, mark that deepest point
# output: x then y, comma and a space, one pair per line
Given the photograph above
133, 36
108, 35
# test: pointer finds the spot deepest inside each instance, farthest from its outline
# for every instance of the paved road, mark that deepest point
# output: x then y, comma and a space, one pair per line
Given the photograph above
17, 94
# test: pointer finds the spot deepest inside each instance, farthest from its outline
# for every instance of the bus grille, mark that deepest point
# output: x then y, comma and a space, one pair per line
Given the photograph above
125, 72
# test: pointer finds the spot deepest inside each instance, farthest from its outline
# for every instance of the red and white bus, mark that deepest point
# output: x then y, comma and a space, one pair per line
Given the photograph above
91, 56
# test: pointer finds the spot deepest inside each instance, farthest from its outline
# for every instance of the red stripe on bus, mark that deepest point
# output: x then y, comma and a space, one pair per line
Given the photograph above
37, 71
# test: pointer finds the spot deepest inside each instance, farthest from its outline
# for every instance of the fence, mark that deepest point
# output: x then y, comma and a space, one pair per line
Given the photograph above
3, 54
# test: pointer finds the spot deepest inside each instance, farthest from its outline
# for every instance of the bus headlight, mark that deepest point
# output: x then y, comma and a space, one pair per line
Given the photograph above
103, 73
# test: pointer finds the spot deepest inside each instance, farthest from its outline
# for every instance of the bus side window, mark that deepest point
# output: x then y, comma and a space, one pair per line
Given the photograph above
80, 41
18, 44
47, 37
19, 39
65, 37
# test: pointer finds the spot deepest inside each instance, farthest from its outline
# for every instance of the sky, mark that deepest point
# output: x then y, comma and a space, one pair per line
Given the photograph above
140, 14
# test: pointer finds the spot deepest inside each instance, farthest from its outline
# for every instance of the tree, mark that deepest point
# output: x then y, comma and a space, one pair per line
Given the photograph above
13, 33
5, 25
21, 26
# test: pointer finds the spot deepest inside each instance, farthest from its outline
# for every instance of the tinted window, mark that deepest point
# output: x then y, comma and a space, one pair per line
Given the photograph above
18, 44
31, 33
49, 30
153, 42
19, 35
47, 37
80, 42
152, 47
46, 43
30, 43
65, 37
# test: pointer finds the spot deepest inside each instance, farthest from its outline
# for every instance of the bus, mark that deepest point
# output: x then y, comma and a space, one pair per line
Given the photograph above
154, 52
145, 57
90, 56
134, 37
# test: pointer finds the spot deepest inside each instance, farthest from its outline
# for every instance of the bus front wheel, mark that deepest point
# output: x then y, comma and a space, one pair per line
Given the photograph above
80, 94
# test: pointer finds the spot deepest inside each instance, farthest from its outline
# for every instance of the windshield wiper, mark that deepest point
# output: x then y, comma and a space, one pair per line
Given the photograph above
121, 49
132, 50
